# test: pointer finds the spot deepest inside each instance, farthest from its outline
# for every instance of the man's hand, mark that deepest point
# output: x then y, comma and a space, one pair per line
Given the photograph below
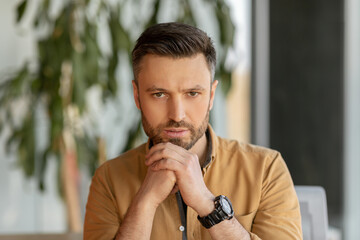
156, 187
154, 190
189, 178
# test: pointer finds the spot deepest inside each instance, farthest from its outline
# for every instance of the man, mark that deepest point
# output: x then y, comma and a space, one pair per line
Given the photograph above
185, 182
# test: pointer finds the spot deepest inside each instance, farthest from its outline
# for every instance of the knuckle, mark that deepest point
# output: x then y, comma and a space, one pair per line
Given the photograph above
164, 151
193, 156
188, 161
187, 165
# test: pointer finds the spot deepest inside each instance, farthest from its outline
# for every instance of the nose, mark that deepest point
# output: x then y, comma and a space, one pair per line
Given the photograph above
176, 109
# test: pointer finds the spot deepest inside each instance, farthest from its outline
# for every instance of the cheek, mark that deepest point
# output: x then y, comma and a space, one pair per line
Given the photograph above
197, 111
154, 113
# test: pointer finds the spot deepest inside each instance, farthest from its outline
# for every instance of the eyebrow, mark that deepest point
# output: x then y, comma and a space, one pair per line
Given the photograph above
197, 87
158, 89
155, 89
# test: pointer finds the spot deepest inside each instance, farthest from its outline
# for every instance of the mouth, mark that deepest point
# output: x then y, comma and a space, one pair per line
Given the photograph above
176, 132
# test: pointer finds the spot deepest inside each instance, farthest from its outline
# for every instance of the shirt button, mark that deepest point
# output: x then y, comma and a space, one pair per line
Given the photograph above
182, 228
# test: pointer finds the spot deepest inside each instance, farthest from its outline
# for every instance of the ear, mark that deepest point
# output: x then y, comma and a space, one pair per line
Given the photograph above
212, 93
136, 94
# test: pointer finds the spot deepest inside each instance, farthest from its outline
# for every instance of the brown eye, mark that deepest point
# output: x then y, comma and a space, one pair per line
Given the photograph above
158, 95
193, 94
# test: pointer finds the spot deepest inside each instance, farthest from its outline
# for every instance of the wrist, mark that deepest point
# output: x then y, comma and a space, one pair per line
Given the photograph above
223, 211
144, 204
206, 206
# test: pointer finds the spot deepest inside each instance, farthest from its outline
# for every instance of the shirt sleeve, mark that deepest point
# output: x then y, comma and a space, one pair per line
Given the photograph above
278, 216
101, 219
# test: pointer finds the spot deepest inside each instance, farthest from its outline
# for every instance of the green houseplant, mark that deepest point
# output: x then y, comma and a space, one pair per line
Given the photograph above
70, 61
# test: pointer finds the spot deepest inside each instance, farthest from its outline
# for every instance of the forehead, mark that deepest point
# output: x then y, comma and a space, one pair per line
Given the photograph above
169, 72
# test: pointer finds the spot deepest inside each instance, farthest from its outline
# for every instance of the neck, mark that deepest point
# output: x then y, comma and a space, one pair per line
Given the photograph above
200, 149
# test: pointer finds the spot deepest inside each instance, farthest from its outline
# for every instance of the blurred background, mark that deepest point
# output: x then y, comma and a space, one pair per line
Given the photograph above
289, 76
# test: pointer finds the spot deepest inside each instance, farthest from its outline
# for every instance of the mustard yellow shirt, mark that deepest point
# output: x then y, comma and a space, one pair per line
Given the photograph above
255, 179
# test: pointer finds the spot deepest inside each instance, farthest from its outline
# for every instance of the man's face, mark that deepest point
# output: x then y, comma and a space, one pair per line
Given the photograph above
175, 97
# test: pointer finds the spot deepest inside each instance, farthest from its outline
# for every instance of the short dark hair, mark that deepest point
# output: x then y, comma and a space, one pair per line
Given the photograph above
175, 40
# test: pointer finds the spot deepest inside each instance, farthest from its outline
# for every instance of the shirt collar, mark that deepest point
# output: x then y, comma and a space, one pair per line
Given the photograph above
212, 147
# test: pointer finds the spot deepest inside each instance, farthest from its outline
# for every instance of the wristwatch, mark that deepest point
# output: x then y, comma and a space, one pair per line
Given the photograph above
223, 211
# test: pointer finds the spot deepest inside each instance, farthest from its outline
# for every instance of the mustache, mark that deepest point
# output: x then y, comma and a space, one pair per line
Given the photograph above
172, 123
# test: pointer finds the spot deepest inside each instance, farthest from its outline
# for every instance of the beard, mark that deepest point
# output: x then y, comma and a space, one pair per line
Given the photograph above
154, 133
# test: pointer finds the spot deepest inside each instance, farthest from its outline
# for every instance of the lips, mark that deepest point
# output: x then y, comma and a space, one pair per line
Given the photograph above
176, 132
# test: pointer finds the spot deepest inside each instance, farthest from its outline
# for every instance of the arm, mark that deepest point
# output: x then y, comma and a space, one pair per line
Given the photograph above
227, 229
138, 221
278, 214
101, 220
189, 179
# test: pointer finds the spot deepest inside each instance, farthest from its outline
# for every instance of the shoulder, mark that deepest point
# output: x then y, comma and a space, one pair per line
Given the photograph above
248, 156
130, 162
235, 151
262, 162
234, 148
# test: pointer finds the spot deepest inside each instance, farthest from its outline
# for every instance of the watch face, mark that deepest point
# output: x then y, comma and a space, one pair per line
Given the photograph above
226, 206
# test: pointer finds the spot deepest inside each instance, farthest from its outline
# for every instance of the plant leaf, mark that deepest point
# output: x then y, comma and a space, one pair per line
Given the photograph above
43, 163
20, 10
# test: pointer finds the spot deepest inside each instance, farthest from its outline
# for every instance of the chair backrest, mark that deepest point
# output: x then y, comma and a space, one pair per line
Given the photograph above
313, 209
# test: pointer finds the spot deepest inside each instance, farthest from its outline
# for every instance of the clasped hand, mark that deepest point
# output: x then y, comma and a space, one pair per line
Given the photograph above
165, 157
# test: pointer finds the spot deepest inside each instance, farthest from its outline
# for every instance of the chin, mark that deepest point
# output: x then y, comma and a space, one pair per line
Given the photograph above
181, 143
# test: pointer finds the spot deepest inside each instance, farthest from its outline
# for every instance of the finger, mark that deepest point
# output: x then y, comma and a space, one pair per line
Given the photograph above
168, 145
167, 164
163, 153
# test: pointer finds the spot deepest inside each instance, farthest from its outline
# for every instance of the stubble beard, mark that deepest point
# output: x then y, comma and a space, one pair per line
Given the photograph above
154, 133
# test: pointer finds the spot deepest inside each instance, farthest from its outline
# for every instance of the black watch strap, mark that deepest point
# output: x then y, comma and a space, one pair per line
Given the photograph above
223, 211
